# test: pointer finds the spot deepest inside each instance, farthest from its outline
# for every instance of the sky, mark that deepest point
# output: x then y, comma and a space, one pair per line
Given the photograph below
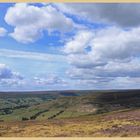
64, 46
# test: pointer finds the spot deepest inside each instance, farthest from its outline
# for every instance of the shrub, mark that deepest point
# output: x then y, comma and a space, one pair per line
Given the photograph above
24, 119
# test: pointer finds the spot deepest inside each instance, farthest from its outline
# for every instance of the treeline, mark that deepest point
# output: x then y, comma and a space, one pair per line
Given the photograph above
55, 115
39, 113
35, 115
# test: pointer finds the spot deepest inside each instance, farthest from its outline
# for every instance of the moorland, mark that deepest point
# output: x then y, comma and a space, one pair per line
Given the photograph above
70, 113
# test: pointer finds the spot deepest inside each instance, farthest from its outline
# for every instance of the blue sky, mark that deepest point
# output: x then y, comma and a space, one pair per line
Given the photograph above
57, 46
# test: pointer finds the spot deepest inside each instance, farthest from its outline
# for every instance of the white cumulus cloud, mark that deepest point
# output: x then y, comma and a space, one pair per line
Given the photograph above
30, 21
114, 53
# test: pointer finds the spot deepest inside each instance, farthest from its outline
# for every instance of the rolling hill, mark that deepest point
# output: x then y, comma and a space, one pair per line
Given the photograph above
97, 113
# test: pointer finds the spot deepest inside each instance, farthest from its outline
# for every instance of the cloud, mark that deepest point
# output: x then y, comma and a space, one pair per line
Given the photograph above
124, 83
122, 14
78, 43
7, 73
10, 83
114, 53
105, 57
116, 83
49, 80
3, 32
116, 43
31, 21
107, 44
32, 55
9, 77
110, 70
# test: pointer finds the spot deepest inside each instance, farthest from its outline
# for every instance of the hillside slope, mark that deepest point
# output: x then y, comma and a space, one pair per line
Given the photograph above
71, 113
